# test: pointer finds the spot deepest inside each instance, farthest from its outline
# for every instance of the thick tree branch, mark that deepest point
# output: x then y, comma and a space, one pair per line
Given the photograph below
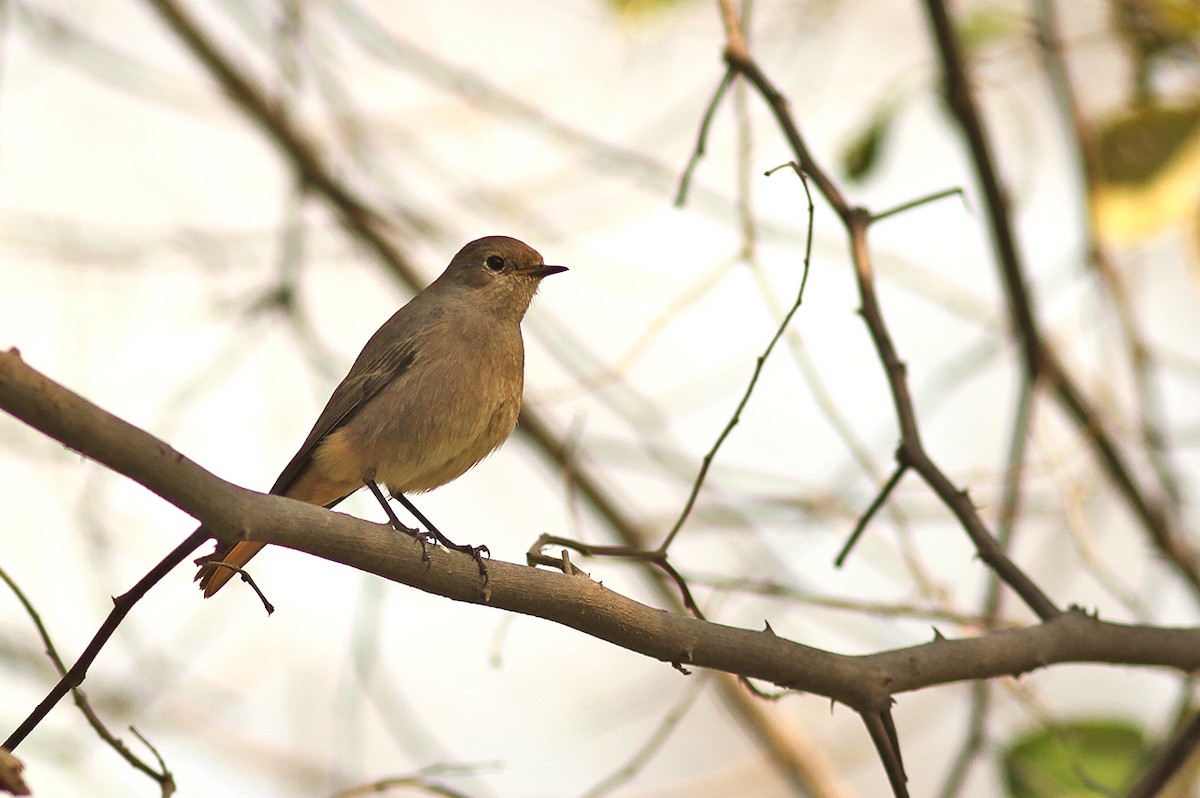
865, 683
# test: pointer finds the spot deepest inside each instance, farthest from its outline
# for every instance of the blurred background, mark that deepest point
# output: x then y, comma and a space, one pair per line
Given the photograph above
163, 256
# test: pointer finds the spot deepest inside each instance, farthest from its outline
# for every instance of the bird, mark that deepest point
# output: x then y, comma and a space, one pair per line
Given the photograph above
435, 390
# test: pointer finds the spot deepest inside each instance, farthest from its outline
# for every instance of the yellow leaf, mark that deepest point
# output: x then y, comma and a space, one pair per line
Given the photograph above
1149, 163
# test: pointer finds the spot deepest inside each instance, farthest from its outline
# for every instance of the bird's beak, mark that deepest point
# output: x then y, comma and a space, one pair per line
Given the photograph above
540, 271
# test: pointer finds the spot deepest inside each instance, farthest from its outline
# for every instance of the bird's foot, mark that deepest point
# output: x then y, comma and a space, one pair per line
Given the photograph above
424, 538
474, 552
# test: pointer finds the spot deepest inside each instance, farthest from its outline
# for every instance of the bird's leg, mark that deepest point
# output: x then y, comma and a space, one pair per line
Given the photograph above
476, 552
395, 522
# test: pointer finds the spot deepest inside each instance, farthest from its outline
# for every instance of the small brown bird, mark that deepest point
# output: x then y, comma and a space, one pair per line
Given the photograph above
435, 390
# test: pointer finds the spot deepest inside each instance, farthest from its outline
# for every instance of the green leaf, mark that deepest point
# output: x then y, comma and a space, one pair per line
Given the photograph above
988, 24
1135, 148
1148, 160
861, 155
1084, 759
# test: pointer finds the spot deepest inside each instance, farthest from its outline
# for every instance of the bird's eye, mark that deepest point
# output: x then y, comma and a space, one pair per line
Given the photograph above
495, 263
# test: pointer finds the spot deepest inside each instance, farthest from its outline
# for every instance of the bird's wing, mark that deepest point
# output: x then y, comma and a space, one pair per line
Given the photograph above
358, 388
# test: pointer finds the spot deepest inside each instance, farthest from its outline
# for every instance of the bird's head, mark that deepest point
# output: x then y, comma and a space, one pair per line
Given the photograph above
498, 273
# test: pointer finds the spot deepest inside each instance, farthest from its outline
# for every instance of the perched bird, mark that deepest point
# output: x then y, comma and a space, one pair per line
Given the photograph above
435, 390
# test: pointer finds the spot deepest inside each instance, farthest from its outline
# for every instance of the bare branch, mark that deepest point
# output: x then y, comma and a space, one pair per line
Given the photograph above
121, 606
865, 683
710, 113
1039, 360
162, 776
912, 452
758, 367
1174, 755
880, 498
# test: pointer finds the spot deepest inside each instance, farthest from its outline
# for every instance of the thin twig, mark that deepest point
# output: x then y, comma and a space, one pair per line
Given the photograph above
121, 606
972, 741
163, 775
651, 746
210, 561
857, 221
656, 557
710, 112
904, 207
880, 498
167, 783
758, 367
1039, 360
888, 609
421, 781
1174, 755
1082, 137
266, 111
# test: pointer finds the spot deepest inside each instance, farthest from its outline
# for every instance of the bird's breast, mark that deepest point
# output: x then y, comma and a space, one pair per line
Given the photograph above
451, 409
